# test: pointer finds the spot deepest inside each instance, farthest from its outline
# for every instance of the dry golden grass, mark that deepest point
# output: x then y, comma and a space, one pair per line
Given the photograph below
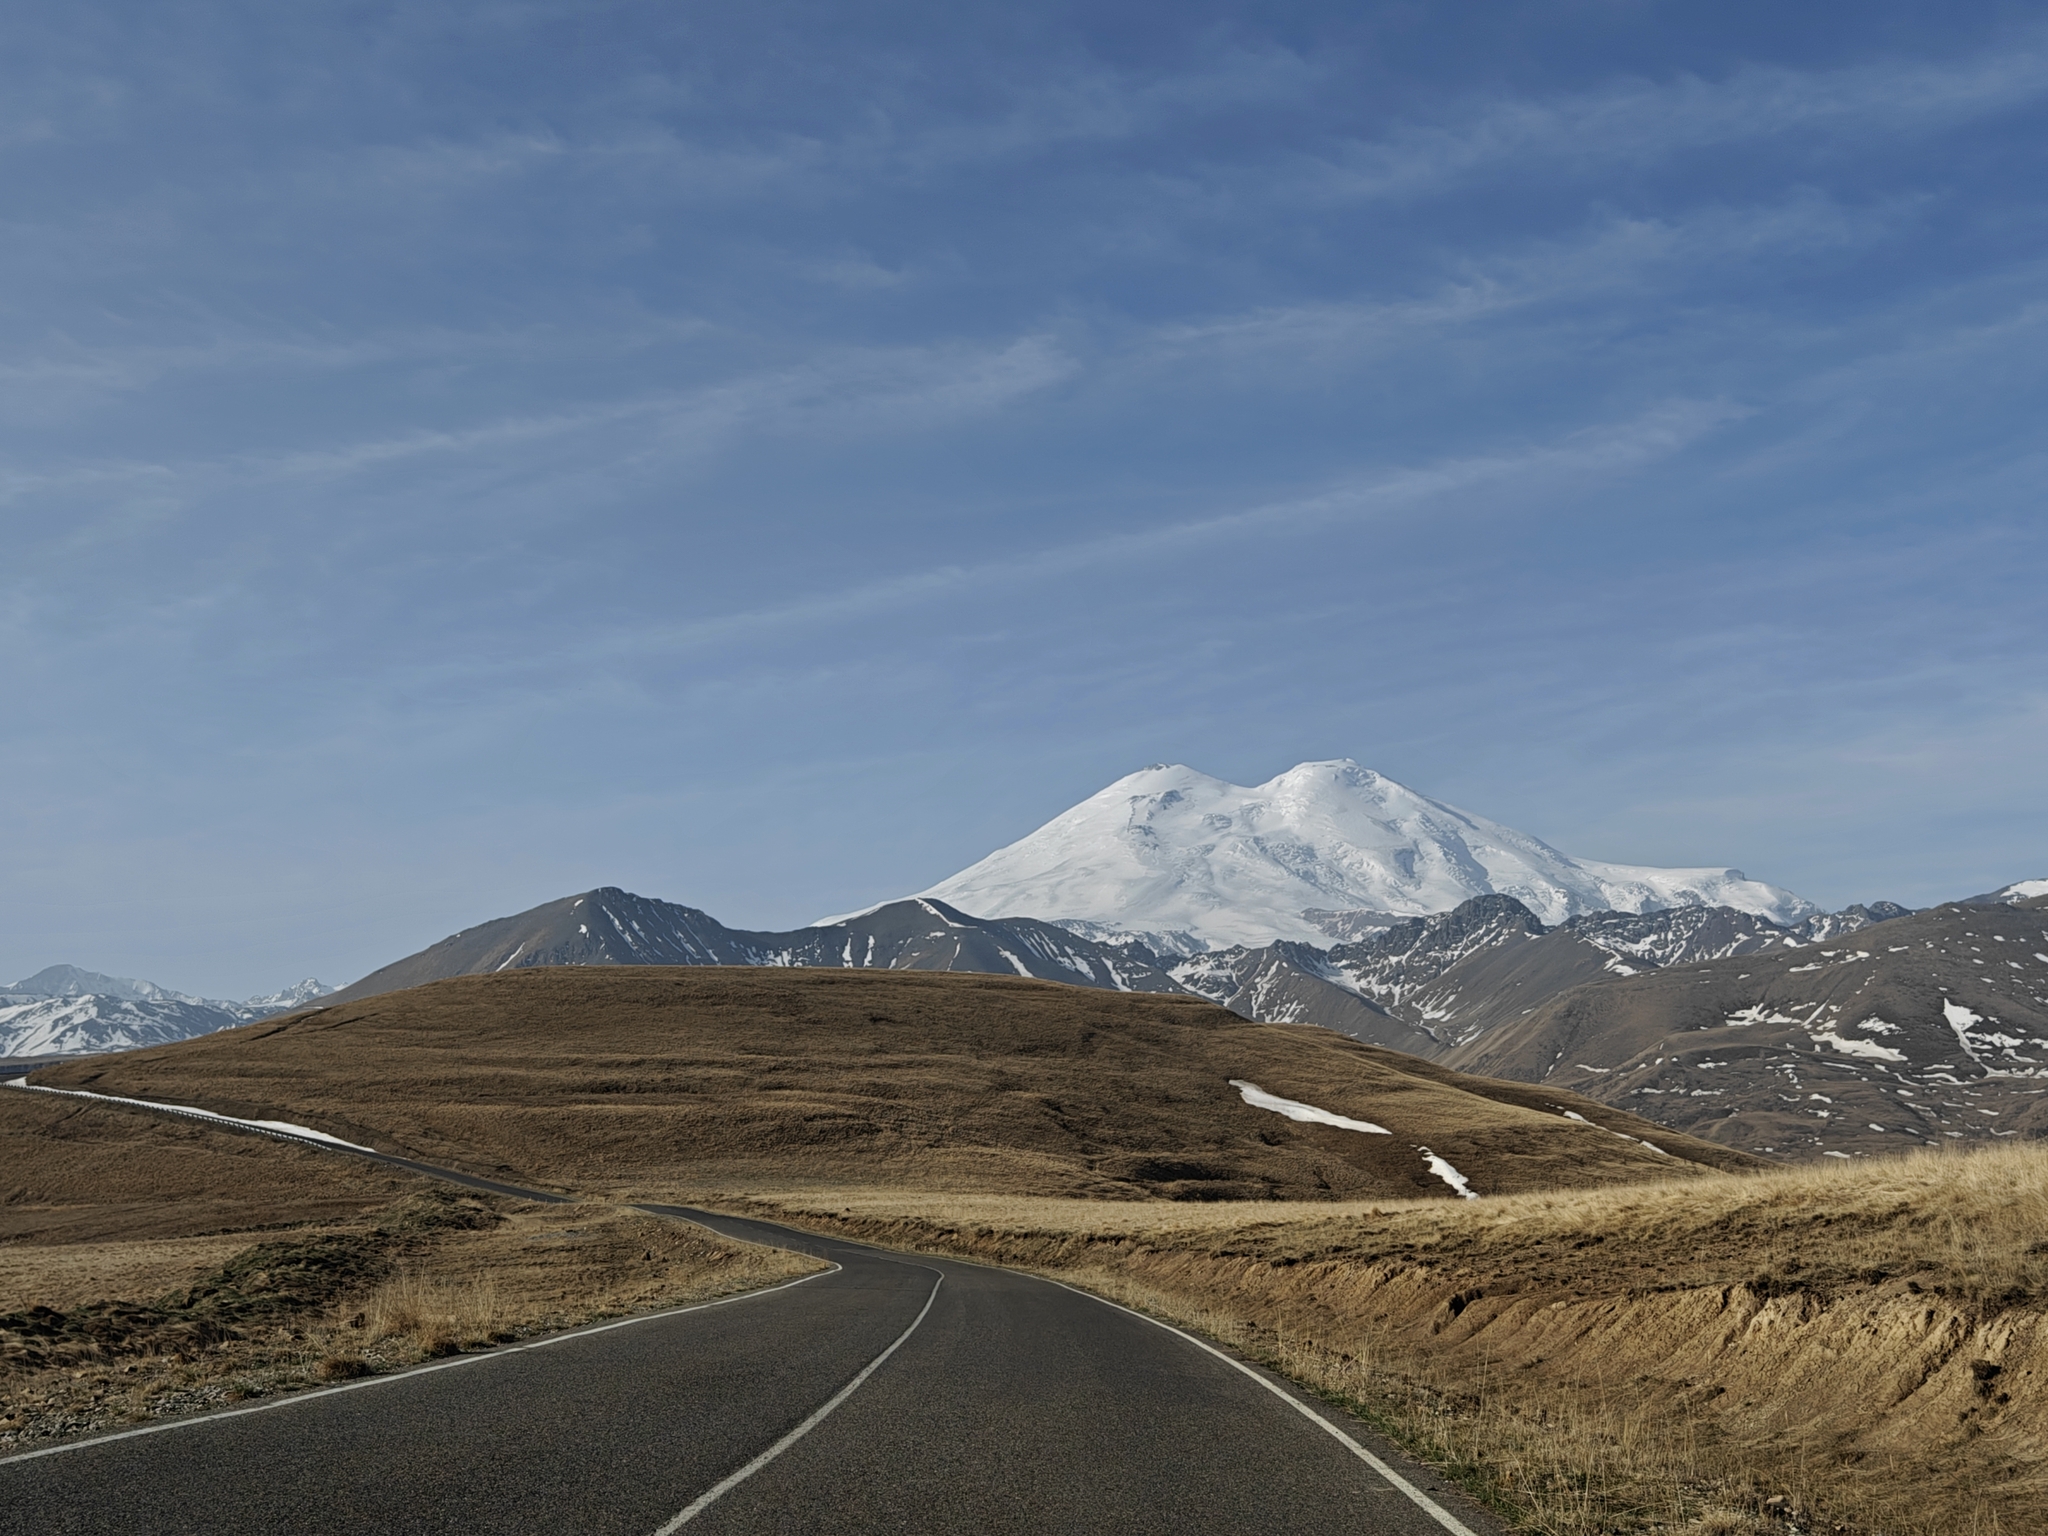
1863, 1344
73, 1172
437, 1315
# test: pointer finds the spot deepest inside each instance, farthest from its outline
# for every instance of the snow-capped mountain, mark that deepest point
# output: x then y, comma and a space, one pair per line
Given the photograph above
2011, 895
295, 996
65, 1011
1168, 852
70, 981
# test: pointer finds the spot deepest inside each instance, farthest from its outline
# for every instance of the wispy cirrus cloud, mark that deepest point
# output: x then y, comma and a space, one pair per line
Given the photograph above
1585, 456
1640, 121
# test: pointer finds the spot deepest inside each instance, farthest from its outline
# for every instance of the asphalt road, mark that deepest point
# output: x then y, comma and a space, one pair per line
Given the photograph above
1011, 1405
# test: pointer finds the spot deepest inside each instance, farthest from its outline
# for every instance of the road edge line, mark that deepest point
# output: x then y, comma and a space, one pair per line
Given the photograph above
294, 1399
1400, 1484
1415, 1495
718, 1490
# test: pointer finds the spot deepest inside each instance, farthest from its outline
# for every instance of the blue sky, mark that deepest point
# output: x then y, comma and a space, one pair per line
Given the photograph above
766, 456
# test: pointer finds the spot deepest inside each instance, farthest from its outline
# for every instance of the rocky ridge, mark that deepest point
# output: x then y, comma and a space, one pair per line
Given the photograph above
65, 1011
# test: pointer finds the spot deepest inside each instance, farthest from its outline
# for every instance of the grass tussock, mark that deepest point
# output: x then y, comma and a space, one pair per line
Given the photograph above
437, 1316
1848, 1348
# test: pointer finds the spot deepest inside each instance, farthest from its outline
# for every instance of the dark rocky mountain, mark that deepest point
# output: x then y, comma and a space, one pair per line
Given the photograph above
1416, 986
1296, 984
609, 926
1352, 924
1430, 985
1929, 1029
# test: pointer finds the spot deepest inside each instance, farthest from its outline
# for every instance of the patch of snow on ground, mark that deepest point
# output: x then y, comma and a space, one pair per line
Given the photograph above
1960, 1019
1758, 1013
1868, 1049
1258, 1098
1448, 1174
268, 1127
1573, 1114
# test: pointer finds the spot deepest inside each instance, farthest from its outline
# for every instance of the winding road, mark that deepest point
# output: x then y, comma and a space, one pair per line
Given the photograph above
894, 1393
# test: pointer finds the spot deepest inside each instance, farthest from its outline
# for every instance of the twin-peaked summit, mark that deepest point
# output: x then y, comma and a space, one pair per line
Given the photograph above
1174, 855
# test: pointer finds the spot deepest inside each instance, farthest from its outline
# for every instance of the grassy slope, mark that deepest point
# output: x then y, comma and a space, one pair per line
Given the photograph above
715, 1079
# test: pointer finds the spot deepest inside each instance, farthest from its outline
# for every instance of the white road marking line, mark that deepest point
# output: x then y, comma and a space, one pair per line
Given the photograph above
717, 1491
1421, 1500
200, 1420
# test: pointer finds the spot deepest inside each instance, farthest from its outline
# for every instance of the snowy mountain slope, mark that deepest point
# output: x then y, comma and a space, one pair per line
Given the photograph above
1296, 984
609, 926
1930, 1028
88, 1024
65, 1011
1433, 984
284, 1001
1169, 850
2011, 895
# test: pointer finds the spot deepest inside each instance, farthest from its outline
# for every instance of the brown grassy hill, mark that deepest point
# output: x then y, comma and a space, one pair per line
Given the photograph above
721, 1078
1926, 1029
74, 1172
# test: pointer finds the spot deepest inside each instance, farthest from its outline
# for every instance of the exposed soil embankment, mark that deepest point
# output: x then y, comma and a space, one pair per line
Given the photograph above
1858, 1349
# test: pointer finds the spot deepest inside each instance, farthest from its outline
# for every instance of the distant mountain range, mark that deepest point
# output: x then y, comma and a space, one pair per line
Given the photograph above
65, 1011
1698, 997
1430, 984
1707, 1018
1928, 1029
614, 927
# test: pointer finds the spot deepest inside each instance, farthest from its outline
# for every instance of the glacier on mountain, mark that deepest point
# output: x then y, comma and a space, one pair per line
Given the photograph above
1167, 850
